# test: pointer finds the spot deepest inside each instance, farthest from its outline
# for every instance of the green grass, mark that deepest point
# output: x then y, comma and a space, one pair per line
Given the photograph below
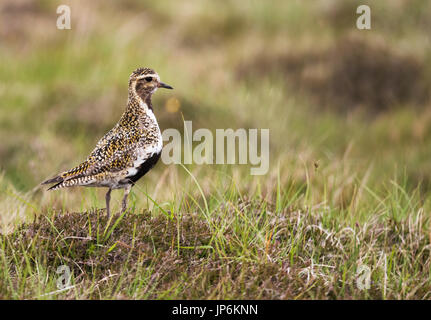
350, 171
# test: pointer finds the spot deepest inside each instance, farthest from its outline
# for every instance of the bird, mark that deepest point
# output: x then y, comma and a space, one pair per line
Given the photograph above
127, 151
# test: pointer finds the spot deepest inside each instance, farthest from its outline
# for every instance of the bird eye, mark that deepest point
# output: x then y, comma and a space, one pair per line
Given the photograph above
149, 79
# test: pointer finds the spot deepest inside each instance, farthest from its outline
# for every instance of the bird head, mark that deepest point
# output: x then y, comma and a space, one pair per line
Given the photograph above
145, 81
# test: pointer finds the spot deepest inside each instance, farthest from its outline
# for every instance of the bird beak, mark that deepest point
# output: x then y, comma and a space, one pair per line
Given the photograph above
164, 85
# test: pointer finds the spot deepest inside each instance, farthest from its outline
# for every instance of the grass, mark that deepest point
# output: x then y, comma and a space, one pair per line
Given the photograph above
236, 247
349, 178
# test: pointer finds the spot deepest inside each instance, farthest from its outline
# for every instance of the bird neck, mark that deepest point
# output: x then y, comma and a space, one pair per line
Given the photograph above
138, 111
138, 104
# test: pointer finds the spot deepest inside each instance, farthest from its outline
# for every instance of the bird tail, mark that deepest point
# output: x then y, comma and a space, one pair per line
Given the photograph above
71, 182
68, 178
58, 180
56, 186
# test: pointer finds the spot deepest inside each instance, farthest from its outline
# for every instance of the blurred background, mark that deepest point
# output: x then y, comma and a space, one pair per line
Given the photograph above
344, 106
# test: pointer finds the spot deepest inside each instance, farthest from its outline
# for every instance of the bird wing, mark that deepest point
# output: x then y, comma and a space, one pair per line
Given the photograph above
113, 153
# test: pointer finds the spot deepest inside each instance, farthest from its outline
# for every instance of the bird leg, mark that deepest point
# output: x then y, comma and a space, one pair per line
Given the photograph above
124, 202
108, 199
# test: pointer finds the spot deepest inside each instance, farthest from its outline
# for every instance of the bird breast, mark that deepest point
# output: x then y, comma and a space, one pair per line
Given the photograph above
151, 142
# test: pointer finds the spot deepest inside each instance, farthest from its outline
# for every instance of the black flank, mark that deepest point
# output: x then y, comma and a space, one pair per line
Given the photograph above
145, 167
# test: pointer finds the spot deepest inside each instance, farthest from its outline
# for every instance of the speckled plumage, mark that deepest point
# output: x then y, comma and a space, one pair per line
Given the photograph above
129, 150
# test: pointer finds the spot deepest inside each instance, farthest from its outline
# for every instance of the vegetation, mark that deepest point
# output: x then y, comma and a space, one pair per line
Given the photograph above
349, 183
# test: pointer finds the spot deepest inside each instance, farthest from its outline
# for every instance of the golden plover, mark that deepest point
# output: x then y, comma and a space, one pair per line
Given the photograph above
127, 151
